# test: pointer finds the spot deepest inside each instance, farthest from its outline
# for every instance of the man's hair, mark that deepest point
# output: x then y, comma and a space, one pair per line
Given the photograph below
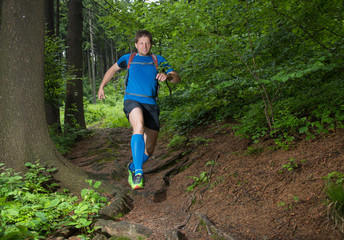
143, 33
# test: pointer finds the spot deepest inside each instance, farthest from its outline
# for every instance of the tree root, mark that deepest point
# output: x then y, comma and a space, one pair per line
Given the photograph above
187, 219
212, 229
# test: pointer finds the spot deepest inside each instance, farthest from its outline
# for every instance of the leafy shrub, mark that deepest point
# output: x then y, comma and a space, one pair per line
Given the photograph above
198, 181
55, 73
177, 141
252, 122
66, 140
107, 113
334, 190
30, 210
292, 165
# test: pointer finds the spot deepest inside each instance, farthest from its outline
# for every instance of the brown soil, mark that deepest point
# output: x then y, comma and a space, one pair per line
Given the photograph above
248, 195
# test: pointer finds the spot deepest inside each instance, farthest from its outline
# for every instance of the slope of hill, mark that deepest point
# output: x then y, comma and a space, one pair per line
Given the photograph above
217, 184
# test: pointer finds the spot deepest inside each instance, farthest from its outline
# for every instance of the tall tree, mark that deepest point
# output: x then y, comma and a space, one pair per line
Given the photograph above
52, 108
92, 70
24, 134
57, 26
49, 16
74, 108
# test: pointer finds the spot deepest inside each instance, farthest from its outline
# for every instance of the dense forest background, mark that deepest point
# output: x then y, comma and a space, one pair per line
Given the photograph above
274, 67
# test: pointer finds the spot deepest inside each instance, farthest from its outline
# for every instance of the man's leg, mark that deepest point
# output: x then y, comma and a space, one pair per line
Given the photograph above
150, 137
137, 140
143, 143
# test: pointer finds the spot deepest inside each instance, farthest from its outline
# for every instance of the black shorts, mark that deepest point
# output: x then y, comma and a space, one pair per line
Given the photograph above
150, 113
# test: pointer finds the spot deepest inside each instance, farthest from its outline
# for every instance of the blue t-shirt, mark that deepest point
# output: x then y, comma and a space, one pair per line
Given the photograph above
142, 76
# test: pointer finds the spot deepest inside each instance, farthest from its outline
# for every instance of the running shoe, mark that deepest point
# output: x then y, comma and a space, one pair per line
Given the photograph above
138, 182
130, 176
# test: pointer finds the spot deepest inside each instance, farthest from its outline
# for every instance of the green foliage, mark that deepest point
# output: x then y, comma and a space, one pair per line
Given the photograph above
290, 204
30, 210
274, 67
255, 150
107, 113
55, 72
334, 177
177, 141
335, 198
200, 140
292, 164
39, 179
252, 122
87, 209
66, 140
198, 181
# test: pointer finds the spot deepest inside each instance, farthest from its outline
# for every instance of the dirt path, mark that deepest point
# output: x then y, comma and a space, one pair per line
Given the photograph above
246, 192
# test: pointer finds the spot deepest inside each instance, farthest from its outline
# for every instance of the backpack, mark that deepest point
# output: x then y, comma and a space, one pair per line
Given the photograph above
131, 58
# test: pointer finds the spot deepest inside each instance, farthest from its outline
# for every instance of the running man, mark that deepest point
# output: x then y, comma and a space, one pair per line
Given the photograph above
140, 104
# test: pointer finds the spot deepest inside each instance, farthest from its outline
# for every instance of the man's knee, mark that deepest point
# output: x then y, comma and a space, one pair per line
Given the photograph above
138, 127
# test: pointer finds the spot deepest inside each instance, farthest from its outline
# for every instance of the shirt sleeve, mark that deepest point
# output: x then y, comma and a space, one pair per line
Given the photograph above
123, 61
164, 65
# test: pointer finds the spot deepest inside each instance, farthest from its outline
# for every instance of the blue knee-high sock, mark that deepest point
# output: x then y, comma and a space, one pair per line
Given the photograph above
138, 150
132, 167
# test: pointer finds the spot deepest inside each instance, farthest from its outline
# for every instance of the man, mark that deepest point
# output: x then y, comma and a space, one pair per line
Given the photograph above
140, 104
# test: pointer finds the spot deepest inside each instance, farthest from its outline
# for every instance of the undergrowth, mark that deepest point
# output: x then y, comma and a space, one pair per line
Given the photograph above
31, 209
335, 198
64, 141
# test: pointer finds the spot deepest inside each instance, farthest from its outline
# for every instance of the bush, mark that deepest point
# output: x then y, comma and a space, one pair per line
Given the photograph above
30, 210
335, 193
107, 113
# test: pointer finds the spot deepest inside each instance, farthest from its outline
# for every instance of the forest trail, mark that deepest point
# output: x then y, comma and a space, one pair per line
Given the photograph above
246, 193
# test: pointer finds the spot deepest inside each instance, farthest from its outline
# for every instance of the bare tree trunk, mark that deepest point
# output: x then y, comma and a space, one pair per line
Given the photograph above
24, 133
89, 67
57, 27
92, 59
106, 55
74, 108
49, 16
112, 54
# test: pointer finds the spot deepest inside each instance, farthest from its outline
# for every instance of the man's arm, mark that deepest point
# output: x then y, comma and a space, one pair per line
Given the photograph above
107, 77
173, 77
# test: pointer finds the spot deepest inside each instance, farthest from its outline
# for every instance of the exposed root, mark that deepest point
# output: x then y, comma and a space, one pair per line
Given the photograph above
187, 219
212, 229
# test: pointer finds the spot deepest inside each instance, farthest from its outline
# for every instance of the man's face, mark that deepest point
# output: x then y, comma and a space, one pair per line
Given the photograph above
143, 46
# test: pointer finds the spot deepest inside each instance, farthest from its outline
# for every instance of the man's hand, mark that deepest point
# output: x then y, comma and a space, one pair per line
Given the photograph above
161, 77
173, 77
101, 94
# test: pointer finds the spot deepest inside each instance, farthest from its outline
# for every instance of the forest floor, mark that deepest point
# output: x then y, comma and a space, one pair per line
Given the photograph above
247, 192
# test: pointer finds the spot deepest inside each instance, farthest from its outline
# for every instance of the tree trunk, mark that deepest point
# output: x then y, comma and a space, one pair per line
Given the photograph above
57, 27
74, 108
49, 16
89, 67
93, 86
52, 111
24, 133
112, 54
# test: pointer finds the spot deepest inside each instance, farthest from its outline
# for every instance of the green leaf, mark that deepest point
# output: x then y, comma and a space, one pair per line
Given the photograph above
303, 129
97, 184
41, 215
13, 212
